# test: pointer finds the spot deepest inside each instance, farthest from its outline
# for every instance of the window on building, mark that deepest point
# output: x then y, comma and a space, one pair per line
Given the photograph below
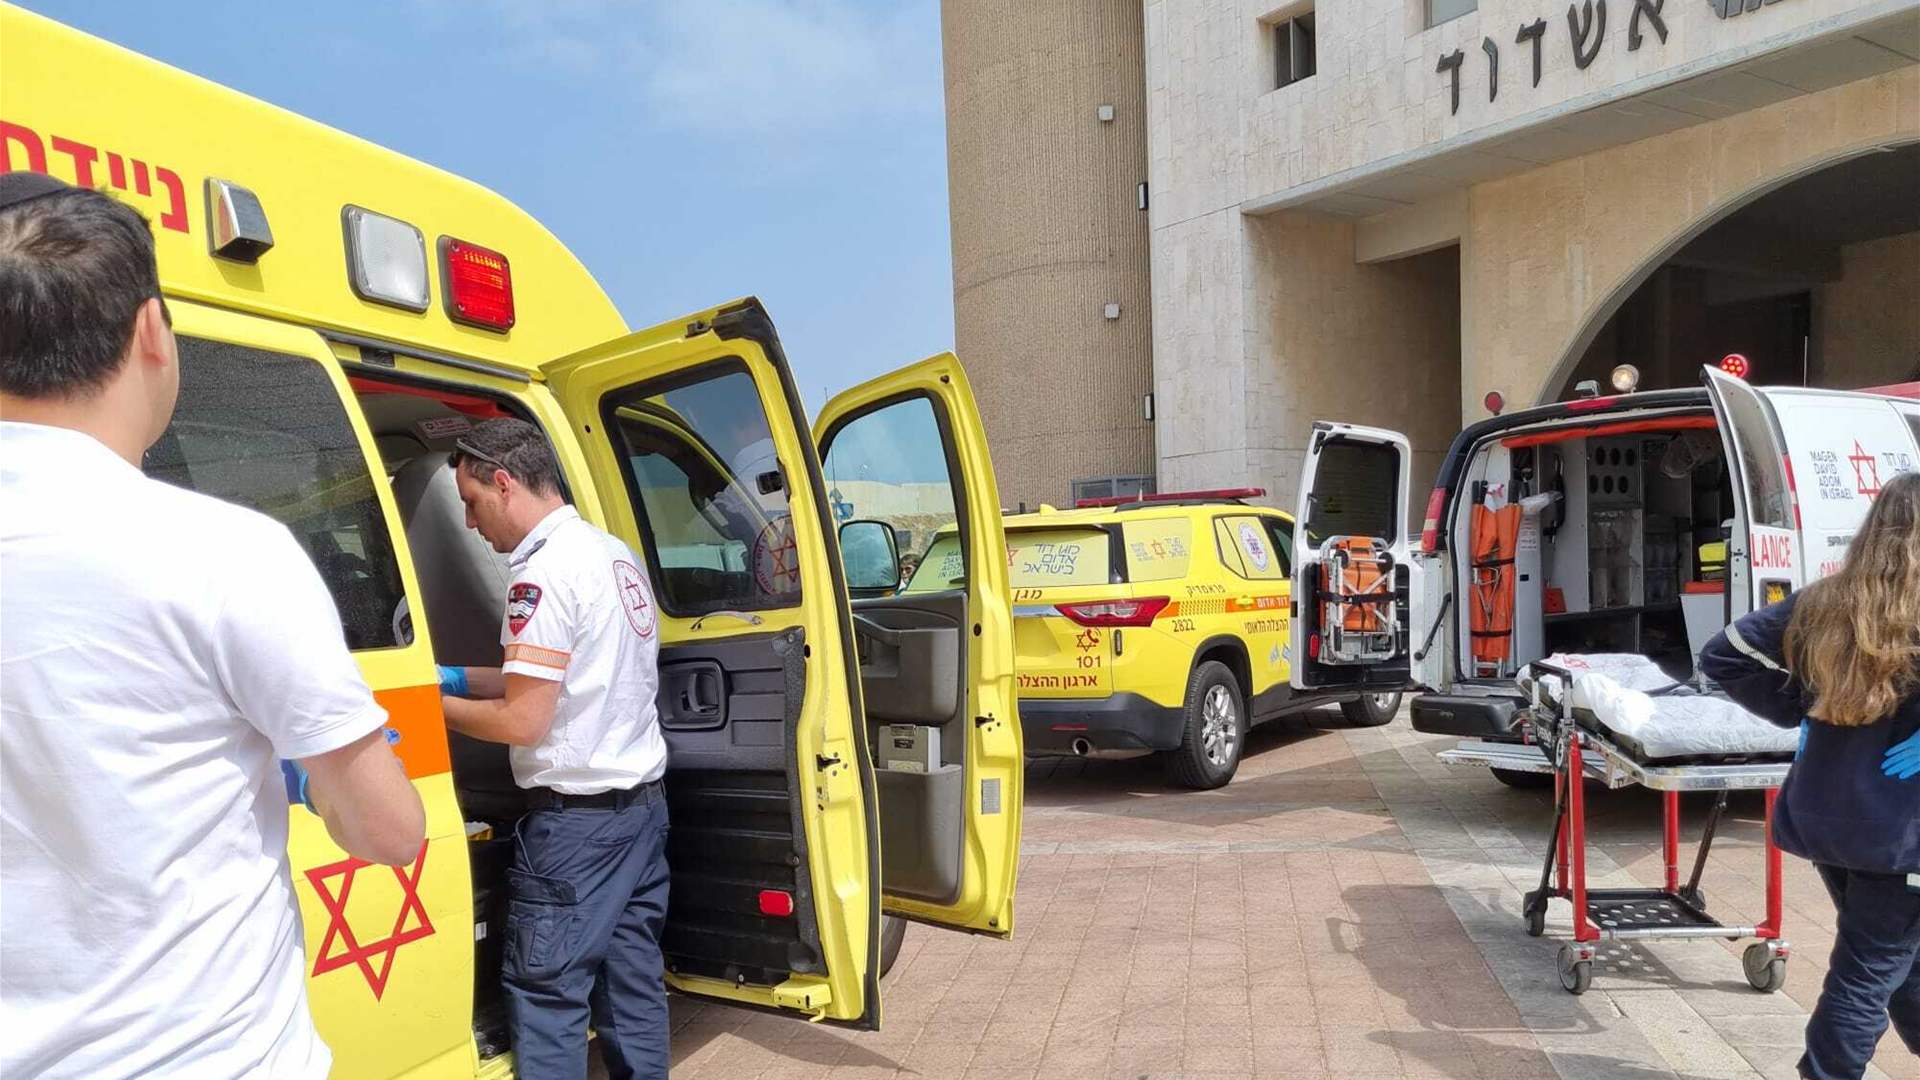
1293, 48
1439, 11
1112, 487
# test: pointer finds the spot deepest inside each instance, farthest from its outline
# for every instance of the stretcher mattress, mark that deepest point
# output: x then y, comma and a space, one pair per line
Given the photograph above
1627, 698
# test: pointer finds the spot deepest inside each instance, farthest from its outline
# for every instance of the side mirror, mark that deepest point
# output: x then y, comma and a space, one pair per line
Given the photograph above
870, 555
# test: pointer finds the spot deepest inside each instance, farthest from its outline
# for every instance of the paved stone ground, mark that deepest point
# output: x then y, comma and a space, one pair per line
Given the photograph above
1347, 907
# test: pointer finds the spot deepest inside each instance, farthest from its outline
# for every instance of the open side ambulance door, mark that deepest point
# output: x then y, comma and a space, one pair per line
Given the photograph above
1354, 588
698, 448
1765, 559
906, 455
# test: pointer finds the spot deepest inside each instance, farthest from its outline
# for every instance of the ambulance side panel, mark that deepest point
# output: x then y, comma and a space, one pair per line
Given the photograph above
1841, 449
266, 418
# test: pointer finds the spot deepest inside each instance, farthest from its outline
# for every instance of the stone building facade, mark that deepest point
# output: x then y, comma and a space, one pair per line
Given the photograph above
1383, 210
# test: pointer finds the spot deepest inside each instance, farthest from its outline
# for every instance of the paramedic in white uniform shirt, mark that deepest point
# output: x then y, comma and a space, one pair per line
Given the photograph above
159, 651
574, 701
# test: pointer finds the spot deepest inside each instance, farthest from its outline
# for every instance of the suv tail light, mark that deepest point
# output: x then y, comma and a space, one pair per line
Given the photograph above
1138, 612
478, 285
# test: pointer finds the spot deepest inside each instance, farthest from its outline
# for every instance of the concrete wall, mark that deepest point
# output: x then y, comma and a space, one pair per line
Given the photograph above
1866, 326
1391, 357
1549, 253
1047, 232
1221, 134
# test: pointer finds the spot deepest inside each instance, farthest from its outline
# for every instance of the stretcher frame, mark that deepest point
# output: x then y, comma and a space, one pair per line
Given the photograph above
1557, 744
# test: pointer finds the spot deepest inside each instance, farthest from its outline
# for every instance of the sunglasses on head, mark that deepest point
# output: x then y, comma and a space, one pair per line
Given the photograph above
467, 449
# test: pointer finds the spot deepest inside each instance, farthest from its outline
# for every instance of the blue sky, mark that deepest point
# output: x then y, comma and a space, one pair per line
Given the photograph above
688, 151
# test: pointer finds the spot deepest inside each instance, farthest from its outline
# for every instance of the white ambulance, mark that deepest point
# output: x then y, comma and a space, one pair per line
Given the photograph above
1637, 523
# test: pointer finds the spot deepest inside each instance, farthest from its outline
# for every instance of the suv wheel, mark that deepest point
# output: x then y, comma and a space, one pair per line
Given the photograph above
893, 933
1215, 731
1370, 710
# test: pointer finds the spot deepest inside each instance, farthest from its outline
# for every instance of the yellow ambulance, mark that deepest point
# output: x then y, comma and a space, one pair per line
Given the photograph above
1159, 624
344, 314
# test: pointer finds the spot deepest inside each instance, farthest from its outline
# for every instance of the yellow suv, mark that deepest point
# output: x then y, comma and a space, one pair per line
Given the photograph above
1154, 624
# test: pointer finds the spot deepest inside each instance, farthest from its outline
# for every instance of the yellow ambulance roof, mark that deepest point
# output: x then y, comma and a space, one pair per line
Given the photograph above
93, 113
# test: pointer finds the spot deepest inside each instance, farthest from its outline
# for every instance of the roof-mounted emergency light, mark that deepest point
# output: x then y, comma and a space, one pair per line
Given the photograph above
236, 224
477, 285
386, 259
1625, 378
1735, 365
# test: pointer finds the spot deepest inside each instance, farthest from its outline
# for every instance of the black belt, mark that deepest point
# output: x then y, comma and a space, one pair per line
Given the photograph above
548, 799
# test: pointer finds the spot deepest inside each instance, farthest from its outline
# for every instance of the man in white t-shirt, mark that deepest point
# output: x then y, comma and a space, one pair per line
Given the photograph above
159, 651
574, 701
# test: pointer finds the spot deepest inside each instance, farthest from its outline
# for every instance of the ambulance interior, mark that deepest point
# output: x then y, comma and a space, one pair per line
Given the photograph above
726, 707
1592, 537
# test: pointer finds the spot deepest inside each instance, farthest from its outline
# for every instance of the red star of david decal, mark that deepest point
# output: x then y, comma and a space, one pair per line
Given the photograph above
1866, 472
338, 929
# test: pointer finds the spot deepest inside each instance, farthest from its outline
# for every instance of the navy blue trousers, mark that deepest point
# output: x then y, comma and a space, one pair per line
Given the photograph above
1874, 975
588, 899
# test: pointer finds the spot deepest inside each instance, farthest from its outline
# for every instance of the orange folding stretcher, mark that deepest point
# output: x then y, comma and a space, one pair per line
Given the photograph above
1359, 614
1493, 539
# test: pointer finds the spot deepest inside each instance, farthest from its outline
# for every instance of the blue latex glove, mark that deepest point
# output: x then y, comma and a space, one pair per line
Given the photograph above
296, 778
1902, 761
1802, 748
453, 680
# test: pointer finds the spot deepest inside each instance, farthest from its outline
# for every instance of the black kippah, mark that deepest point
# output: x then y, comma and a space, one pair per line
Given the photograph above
19, 187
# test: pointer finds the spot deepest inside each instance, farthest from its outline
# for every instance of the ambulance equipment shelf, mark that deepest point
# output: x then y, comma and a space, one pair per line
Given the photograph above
1558, 745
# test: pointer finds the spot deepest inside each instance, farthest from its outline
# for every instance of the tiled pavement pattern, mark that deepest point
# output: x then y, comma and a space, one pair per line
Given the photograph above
1348, 907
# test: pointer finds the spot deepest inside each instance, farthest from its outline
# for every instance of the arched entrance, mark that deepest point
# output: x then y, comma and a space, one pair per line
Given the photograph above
1815, 279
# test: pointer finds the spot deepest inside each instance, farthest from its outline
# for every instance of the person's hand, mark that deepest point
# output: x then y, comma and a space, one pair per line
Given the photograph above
1902, 760
453, 680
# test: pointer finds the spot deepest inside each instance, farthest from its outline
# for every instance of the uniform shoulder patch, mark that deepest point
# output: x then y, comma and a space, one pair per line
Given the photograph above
523, 599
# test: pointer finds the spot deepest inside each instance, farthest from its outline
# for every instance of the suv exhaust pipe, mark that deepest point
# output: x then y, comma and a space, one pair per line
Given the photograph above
1081, 748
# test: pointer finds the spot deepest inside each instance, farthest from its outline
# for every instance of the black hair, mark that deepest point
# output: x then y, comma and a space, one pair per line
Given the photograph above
75, 268
510, 444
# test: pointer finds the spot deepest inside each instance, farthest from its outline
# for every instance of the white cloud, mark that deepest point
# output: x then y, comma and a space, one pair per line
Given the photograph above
767, 66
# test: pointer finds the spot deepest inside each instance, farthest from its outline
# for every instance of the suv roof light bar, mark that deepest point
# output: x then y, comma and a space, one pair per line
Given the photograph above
1210, 495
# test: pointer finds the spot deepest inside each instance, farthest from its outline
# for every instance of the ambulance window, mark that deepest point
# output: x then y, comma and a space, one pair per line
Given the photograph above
1356, 491
267, 430
1280, 533
891, 465
1158, 550
710, 492
1764, 474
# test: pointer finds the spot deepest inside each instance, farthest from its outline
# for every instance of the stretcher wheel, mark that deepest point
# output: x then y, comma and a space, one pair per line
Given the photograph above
1576, 973
1536, 915
1766, 972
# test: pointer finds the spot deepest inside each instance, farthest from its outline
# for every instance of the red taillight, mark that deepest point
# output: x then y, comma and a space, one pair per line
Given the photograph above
1430, 529
1313, 646
477, 283
775, 902
1115, 612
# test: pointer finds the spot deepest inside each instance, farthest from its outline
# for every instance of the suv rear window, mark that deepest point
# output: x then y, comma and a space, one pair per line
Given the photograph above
1036, 559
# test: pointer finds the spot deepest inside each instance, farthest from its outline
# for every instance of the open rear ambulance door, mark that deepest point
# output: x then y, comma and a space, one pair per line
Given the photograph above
1354, 587
908, 450
1764, 549
698, 447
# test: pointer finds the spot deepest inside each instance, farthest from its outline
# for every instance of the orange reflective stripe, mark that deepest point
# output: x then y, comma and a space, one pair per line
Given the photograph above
414, 712
534, 654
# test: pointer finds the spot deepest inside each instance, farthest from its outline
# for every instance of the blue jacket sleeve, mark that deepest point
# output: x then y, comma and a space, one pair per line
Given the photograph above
1748, 661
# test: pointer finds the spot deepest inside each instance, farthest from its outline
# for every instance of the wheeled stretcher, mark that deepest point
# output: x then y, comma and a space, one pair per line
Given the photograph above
1559, 741
1359, 617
